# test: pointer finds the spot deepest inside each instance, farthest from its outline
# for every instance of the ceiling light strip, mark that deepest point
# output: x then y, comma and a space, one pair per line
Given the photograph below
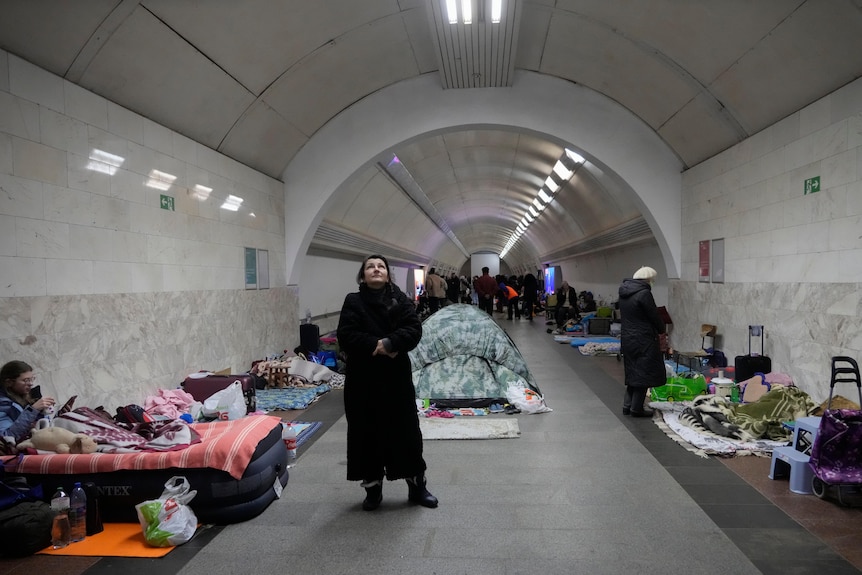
564, 169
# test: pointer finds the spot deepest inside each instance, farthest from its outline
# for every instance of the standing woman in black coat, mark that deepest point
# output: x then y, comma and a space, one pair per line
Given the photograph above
642, 357
378, 326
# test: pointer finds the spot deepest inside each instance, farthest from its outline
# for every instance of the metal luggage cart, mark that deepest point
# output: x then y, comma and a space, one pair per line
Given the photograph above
835, 454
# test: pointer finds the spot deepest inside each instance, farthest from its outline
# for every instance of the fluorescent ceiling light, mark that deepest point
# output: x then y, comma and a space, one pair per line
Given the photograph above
538, 204
452, 11
578, 159
232, 203
529, 217
467, 11
552, 185
533, 212
525, 222
496, 11
102, 161
160, 180
562, 171
545, 197
201, 193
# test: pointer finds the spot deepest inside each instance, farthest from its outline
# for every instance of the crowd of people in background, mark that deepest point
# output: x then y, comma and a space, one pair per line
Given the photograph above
518, 296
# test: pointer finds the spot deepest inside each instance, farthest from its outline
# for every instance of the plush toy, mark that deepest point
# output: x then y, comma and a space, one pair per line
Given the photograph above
59, 440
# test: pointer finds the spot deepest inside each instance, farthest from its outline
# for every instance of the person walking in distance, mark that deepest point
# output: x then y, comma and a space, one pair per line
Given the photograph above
486, 288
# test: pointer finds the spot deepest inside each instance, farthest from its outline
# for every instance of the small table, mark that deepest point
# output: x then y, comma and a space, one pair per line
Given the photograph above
692, 359
804, 433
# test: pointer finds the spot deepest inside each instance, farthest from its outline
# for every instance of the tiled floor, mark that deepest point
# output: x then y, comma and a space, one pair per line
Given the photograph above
584, 489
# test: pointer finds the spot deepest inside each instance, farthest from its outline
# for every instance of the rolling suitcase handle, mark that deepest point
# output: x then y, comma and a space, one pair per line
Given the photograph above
844, 374
755, 331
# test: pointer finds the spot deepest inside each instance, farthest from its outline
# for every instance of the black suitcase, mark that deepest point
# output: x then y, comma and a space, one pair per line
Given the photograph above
201, 388
745, 366
309, 337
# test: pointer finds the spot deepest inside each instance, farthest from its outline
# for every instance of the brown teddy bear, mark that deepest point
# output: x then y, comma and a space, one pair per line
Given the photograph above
59, 440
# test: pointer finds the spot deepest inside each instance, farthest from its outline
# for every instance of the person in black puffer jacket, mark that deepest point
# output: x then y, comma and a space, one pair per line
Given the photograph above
641, 326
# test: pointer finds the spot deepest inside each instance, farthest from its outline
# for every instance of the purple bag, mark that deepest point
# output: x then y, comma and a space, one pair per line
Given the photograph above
836, 456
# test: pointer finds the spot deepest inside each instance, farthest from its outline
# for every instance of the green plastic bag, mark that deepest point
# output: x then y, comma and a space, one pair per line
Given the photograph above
680, 387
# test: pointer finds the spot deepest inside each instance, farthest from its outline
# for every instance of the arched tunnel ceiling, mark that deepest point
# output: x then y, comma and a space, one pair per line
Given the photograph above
257, 79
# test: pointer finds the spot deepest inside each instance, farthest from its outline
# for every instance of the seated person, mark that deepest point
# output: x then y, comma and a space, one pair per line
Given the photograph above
589, 302
567, 300
18, 410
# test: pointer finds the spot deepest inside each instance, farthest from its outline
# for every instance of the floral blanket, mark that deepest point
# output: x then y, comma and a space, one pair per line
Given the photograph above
289, 397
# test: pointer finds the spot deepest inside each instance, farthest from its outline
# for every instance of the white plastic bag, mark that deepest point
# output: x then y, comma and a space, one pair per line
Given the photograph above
168, 520
525, 399
227, 403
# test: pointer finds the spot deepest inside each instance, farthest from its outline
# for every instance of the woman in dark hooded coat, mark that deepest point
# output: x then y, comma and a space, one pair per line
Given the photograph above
641, 326
377, 329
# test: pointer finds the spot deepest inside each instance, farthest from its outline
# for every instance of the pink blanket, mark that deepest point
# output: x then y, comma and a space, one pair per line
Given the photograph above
225, 445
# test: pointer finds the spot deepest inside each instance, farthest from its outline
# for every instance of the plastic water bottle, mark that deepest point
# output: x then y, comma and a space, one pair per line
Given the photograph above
288, 434
78, 512
61, 531
308, 316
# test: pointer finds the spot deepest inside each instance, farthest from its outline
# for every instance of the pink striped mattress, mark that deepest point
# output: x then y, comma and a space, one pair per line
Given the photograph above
225, 445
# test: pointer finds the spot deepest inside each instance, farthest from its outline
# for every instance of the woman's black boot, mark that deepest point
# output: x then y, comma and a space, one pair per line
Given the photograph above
418, 493
373, 495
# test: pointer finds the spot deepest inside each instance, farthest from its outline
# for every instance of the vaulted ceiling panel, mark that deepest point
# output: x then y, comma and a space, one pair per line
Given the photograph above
723, 34
761, 92
341, 72
256, 79
256, 40
262, 138
172, 67
718, 129
599, 57
374, 200
52, 42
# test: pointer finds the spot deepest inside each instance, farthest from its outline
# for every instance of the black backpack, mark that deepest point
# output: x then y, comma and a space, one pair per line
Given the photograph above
25, 522
132, 414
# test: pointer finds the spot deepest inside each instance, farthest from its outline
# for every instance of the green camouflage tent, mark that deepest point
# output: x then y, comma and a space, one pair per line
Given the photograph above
466, 360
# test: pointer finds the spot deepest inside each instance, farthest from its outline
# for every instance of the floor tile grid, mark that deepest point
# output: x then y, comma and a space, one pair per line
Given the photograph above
478, 494
837, 527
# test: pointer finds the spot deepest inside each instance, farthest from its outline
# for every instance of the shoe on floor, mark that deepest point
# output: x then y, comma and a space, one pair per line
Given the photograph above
417, 492
644, 413
627, 411
373, 497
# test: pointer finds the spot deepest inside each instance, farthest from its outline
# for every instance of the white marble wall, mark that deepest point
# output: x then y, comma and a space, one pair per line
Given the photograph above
793, 261
107, 294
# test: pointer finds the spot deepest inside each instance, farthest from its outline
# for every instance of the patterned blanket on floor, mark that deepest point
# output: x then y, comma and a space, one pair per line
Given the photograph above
704, 443
289, 397
713, 425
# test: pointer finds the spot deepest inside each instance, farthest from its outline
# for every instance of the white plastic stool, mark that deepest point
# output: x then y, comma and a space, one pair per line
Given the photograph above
787, 460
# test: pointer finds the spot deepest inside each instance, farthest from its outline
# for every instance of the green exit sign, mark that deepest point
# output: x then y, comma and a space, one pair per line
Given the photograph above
812, 185
167, 203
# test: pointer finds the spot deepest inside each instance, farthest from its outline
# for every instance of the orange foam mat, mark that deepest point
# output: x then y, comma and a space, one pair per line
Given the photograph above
117, 540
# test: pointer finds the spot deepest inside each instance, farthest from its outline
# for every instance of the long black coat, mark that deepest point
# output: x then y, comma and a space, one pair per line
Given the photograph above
379, 398
642, 357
